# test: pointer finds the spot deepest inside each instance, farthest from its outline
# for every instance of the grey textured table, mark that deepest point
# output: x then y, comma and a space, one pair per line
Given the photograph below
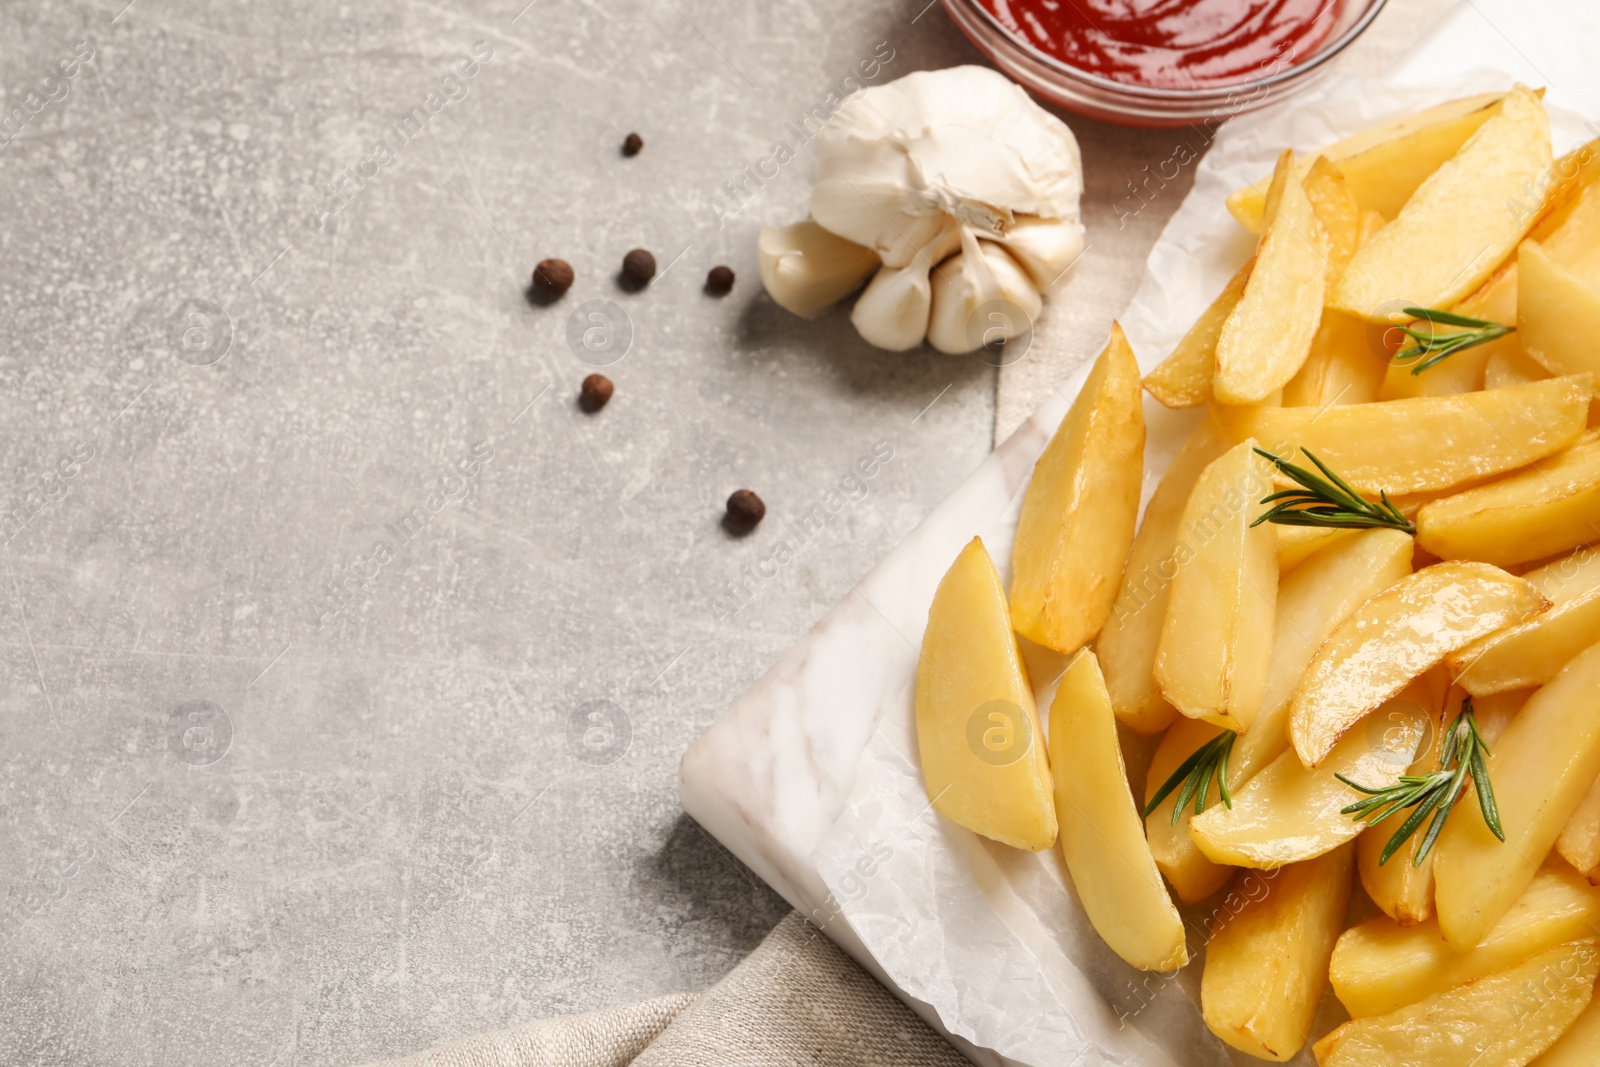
347, 664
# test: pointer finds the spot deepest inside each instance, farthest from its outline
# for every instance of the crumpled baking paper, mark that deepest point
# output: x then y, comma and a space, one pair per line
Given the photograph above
991, 938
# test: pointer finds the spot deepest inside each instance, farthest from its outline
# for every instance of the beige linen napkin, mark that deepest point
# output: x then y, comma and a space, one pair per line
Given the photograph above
796, 1001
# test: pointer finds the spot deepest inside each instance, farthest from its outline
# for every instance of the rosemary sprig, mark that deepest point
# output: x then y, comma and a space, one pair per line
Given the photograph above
1431, 348
1326, 501
1208, 761
1460, 757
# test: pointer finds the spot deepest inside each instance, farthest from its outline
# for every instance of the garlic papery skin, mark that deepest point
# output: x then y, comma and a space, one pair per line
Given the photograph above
806, 269
892, 313
980, 297
965, 144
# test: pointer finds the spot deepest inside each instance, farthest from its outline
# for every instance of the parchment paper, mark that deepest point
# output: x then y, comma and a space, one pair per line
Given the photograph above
991, 938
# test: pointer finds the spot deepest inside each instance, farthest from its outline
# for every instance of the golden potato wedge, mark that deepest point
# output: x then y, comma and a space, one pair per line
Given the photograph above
1297, 543
1579, 1044
1403, 888
1192, 876
1570, 240
1079, 513
1579, 843
1557, 313
1336, 209
1508, 368
1548, 507
1268, 335
1379, 965
983, 754
1267, 964
1531, 652
1494, 712
1429, 443
1393, 638
1455, 230
1127, 643
1216, 641
1505, 1019
1541, 767
1288, 812
1102, 838
1342, 367
1385, 164
1464, 371
1312, 600
1183, 379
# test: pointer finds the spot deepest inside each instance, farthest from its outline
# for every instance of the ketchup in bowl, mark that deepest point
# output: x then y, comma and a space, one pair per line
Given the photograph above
1171, 44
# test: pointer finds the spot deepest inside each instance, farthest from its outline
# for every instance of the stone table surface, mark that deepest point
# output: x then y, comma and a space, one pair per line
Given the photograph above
346, 662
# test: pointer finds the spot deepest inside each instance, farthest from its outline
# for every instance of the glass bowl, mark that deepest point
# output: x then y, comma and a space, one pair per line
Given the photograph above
1139, 105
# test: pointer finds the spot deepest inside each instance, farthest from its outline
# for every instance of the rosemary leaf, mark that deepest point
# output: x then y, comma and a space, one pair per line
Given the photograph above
1326, 500
1461, 756
1193, 777
1430, 348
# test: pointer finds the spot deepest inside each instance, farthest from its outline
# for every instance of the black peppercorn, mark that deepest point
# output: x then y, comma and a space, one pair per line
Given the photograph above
631, 144
595, 391
719, 281
638, 267
552, 278
745, 509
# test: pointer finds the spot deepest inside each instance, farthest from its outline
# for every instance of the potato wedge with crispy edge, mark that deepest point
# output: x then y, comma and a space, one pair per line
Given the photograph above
1268, 336
1101, 836
1336, 209
1455, 230
1216, 640
1127, 643
1531, 653
1379, 965
1541, 768
1396, 636
1402, 888
1428, 443
1505, 1019
1558, 313
1579, 843
1579, 1044
1543, 509
1312, 599
1343, 367
1289, 812
1183, 379
983, 754
1385, 164
1081, 507
1267, 964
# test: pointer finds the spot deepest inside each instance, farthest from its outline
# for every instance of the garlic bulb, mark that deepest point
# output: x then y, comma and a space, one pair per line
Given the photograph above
940, 163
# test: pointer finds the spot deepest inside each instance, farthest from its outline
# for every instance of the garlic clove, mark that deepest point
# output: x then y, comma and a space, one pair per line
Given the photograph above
892, 312
805, 268
1046, 249
981, 296
963, 144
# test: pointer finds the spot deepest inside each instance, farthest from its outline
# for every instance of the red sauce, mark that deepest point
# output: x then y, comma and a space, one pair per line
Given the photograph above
1173, 44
